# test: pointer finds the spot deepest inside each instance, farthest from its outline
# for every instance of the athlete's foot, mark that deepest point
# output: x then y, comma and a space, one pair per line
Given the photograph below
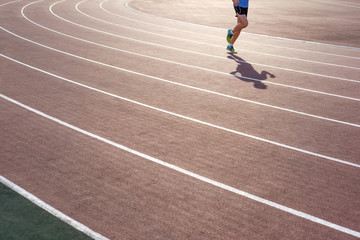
231, 48
229, 36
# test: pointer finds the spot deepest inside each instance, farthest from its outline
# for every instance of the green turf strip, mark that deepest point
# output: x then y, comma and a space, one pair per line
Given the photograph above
21, 219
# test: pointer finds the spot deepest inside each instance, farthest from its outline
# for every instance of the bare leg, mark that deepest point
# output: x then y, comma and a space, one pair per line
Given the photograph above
242, 22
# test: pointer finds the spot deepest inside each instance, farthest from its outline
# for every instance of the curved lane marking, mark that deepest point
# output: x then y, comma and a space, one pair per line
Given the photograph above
191, 174
208, 35
173, 62
199, 121
255, 34
215, 45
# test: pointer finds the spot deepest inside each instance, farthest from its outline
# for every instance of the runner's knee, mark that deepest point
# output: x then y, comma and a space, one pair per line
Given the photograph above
242, 21
245, 24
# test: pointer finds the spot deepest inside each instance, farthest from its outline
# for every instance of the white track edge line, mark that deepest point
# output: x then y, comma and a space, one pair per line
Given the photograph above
255, 34
73, 223
212, 125
192, 174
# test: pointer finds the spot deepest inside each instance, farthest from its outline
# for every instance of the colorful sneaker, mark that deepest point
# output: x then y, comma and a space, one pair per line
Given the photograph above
229, 36
231, 48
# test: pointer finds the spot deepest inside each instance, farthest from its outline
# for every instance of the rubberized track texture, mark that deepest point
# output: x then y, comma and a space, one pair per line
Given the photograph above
138, 126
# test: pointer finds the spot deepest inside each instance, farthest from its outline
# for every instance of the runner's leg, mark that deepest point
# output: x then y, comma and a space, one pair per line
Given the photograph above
242, 22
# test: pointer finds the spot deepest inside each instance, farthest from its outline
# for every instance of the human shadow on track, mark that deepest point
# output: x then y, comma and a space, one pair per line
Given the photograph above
248, 73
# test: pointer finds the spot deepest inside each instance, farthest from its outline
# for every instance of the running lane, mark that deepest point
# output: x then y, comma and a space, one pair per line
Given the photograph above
158, 96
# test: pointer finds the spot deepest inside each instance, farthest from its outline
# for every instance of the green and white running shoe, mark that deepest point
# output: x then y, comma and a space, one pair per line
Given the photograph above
231, 48
229, 36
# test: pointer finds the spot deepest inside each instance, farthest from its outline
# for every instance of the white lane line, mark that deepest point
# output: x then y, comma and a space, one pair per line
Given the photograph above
75, 224
192, 87
194, 52
352, 3
9, 3
255, 34
209, 92
192, 174
205, 123
340, 4
215, 36
215, 45
200, 68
